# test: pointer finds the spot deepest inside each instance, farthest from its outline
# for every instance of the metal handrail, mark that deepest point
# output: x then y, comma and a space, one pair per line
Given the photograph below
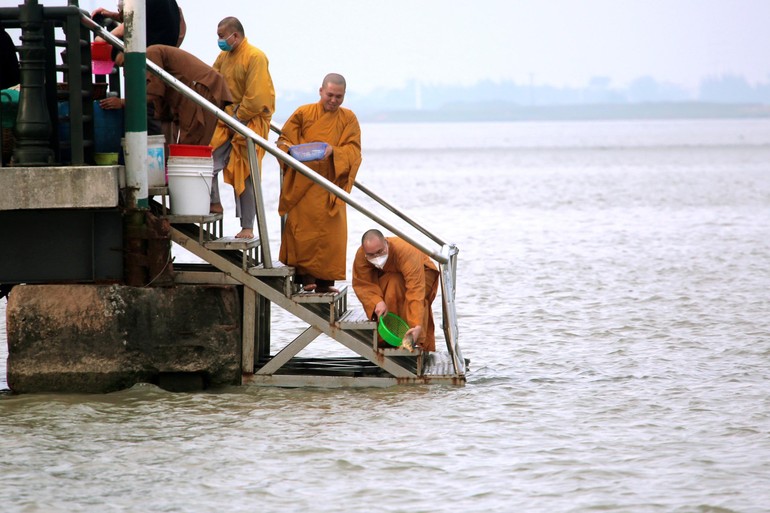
236, 126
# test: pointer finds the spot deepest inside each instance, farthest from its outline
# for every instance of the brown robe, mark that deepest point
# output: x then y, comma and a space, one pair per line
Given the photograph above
196, 125
315, 237
408, 283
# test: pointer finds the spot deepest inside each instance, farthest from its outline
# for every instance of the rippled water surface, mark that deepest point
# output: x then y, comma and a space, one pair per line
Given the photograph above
613, 301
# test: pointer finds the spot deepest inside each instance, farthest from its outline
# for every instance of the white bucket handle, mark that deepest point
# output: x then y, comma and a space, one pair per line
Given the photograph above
206, 182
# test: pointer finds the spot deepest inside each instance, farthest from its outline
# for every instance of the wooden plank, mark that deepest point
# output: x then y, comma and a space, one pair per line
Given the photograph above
157, 191
298, 380
398, 351
231, 243
356, 320
323, 297
209, 218
278, 269
249, 330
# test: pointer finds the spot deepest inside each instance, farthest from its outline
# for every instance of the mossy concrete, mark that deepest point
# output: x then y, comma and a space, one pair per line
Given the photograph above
101, 338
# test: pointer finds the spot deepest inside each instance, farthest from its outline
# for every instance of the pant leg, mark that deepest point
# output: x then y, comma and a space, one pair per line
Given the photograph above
154, 126
221, 158
246, 205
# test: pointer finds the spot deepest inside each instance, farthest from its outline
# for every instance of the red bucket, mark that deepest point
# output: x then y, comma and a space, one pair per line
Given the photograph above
101, 51
189, 150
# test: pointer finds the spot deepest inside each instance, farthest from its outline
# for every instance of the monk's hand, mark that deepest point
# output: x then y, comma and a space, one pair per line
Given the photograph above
380, 309
328, 152
111, 103
415, 334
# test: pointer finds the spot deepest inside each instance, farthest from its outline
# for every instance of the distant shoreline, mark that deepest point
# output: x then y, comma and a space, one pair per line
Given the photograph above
629, 111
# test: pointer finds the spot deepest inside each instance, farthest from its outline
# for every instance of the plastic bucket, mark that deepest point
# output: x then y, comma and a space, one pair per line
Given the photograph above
108, 129
156, 160
101, 58
189, 185
106, 159
189, 150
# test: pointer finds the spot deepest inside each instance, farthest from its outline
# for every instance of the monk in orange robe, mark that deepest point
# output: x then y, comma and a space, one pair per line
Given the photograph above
192, 123
314, 240
246, 70
391, 275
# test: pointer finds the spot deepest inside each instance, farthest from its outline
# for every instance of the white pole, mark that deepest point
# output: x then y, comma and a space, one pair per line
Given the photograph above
134, 19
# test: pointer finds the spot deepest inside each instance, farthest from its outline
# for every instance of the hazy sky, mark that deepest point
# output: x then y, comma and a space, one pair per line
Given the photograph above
555, 42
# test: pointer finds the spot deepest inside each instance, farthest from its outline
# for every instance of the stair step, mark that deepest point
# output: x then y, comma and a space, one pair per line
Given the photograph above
321, 297
208, 218
398, 351
356, 320
209, 227
233, 243
331, 305
278, 269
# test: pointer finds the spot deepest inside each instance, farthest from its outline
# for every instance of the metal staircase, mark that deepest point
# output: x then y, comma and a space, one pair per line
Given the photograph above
237, 261
264, 282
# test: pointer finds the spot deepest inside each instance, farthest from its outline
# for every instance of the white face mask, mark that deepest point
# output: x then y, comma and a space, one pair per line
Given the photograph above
378, 262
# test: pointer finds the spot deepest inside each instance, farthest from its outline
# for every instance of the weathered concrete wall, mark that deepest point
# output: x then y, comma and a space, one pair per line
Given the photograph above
59, 187
101, 338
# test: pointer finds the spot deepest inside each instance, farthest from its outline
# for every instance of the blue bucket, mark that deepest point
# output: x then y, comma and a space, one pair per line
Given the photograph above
108, 129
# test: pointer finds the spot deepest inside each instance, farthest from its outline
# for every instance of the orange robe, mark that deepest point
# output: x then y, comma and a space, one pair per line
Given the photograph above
408, 283
315, 237
196, 124
245, 69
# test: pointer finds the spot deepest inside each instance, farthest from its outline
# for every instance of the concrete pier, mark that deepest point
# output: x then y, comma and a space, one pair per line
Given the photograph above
102, 338
38, 188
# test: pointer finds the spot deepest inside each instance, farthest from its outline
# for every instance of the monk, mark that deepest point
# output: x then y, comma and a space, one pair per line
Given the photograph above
192, 123
314, 239
245, 68
391, 275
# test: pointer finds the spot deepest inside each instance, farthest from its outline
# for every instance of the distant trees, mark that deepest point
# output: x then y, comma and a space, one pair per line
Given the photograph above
503, 97
733, 89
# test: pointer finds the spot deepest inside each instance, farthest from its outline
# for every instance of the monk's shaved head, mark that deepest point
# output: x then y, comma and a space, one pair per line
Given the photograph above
232, 23
372, 235
334, 78
332, 92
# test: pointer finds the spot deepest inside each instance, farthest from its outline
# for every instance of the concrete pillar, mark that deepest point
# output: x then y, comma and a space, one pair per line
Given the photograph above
101, 338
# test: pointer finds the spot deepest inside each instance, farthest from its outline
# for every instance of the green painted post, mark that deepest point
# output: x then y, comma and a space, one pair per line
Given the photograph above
134, 18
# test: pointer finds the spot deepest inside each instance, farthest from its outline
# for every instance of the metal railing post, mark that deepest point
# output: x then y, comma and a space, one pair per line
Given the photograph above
256, 181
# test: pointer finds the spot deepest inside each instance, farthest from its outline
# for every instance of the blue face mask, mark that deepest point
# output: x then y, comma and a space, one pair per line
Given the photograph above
223, 45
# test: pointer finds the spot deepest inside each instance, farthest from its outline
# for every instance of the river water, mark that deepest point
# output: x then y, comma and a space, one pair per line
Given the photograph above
613, 300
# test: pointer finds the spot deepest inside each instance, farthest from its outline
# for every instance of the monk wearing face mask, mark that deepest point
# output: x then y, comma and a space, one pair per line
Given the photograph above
391, 275
245, 69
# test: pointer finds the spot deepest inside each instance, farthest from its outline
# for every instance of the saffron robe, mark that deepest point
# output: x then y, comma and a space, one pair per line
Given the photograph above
196, 125
245, 69
315, 236
408, 283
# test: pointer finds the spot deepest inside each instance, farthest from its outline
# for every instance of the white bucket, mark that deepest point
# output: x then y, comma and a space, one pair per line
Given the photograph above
156, 160
189, 185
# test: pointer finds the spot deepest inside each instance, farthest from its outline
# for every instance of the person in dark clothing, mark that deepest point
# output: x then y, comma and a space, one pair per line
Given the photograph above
165, 26
9, 61
164, 21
